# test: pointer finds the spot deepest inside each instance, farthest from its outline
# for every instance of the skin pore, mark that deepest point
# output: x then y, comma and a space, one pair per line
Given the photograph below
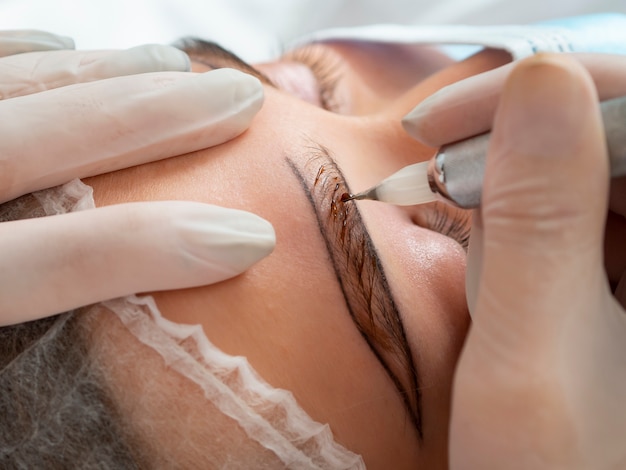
360, 310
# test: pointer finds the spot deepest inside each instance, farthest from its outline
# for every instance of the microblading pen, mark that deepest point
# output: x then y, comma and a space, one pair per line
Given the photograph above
455, 173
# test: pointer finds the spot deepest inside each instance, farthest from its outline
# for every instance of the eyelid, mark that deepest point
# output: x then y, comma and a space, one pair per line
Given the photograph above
327, 69
294, 78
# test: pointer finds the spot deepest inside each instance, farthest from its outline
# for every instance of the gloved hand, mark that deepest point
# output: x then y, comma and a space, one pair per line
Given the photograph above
541, 380
81, 129
467, 108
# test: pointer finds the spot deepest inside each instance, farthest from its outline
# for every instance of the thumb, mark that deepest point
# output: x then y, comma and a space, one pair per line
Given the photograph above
544, 206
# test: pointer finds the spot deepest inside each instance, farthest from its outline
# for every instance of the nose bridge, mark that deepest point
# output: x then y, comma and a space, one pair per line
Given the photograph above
386, 136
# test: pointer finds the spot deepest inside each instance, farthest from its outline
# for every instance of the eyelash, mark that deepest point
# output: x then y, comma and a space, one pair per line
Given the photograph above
327, 70
454, 225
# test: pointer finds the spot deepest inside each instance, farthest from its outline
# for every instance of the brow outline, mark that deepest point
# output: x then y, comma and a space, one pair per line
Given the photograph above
415, 414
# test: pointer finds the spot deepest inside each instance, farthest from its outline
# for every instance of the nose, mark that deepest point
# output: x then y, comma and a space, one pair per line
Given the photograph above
481, 62
385, 126
390, 142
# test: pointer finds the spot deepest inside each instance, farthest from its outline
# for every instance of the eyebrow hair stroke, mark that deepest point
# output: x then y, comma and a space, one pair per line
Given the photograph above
361, 277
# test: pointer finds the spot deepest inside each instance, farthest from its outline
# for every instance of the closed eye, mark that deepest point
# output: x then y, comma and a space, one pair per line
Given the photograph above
442, 218
327, 69
451, 222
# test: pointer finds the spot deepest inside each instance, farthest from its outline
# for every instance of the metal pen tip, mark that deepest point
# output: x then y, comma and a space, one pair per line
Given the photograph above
369, 194
345, 197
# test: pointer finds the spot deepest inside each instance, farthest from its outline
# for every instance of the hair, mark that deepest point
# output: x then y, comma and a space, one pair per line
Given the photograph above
56, 412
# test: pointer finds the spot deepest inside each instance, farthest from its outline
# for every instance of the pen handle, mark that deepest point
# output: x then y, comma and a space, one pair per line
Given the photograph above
460, 167
614, 120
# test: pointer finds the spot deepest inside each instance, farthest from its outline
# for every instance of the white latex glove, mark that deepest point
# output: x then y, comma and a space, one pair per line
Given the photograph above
467, 108
28, 40
82, 129
541, 381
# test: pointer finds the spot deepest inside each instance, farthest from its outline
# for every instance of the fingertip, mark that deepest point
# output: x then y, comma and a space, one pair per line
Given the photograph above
168, 58
459, 110
546, 179
238, 96
65, 42
247, 90
416, 122
255, 237
250, 89
222, 242
260, 245
546, 69
546, 107
144, 59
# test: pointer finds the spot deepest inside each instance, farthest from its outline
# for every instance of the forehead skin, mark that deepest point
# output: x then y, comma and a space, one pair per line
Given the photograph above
287, 314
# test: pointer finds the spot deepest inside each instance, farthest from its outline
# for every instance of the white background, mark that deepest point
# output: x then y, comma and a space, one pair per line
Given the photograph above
257, 29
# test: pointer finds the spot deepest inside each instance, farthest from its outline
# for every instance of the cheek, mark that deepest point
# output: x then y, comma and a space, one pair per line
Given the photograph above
427, 274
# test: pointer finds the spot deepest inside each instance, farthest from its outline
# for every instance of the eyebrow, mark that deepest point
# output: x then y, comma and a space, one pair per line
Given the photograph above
361, 277
215, 56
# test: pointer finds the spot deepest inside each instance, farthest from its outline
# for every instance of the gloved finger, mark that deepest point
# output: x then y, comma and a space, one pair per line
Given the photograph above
546, 346
28, 40
57, 263
473, 270
92, 128
466, 108
544, 204
33, 72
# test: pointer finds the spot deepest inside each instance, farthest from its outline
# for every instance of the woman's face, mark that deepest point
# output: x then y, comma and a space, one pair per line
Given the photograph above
360, 310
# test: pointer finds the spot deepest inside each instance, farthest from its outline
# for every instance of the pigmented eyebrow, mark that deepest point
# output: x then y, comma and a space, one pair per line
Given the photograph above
215, 56
360, 275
